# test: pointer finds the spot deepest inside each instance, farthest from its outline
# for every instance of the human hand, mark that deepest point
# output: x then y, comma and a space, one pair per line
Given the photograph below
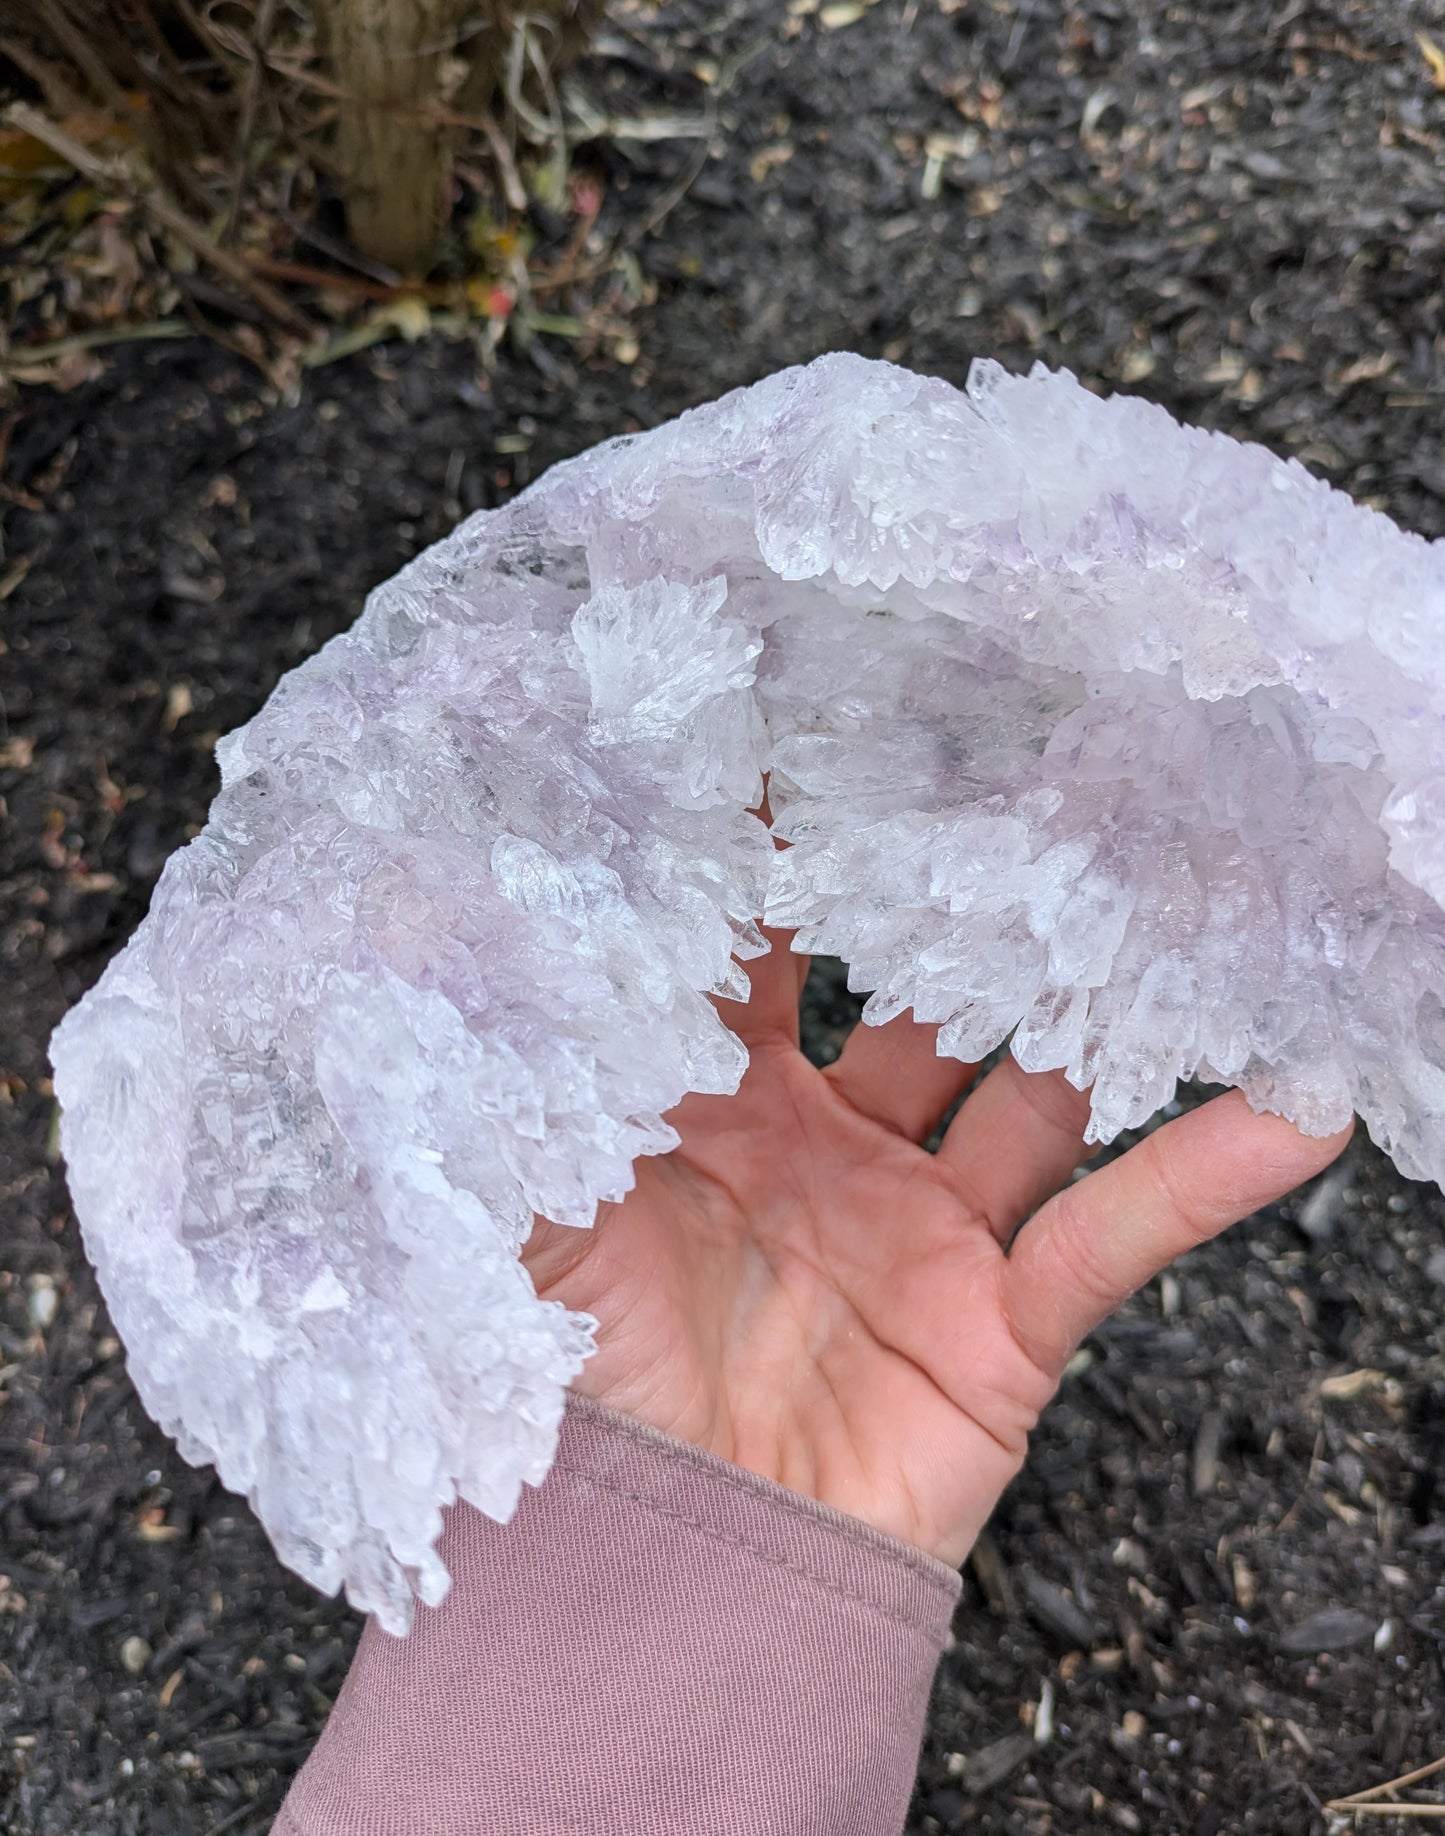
802, 1289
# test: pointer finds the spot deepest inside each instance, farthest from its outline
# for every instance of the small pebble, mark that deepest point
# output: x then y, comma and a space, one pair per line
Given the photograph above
1321, 1209
1056, 1613
44, 1302
135, 1654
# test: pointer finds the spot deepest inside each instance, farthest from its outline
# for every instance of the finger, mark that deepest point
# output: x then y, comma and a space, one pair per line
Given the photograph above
775, 981
1014, 1143
775, 985
1101, 1239
893, 1075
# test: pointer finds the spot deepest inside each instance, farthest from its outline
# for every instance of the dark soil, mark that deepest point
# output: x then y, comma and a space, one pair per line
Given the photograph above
1224, 1563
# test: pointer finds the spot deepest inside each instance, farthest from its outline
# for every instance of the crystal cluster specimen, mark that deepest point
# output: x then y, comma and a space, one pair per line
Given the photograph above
1120, 737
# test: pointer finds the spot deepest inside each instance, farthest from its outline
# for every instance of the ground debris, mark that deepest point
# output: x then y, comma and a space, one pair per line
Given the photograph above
1140, 259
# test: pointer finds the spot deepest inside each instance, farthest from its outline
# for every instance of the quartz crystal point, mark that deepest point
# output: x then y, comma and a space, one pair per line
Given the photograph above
1119, 737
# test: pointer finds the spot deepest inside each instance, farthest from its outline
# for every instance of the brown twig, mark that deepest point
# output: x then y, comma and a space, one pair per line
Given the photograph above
328, 280
194, 112
314, 238
1405, 1778
203, 30
49, 78
1348, 1808
163, 212
53, 19
245, 127
512, 187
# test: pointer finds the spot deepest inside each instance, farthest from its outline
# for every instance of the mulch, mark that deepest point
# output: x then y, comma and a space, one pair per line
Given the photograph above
1214, 1602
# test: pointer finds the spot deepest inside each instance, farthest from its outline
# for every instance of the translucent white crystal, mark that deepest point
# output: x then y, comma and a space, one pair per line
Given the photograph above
1114, 735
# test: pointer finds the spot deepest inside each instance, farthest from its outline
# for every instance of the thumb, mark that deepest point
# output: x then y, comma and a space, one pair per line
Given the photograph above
1092, 1246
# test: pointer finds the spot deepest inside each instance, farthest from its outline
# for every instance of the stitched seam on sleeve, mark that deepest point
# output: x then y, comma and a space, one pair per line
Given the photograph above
738, 1542
716, 1470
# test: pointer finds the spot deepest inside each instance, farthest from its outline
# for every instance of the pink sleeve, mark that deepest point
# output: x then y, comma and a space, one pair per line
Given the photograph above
657, 1642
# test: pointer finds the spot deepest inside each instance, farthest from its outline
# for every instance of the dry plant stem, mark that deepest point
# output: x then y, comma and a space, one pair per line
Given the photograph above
165, 76
30, 357
173, 71
49, 78
512, 187
200, 25
1344, 1808
359, 286
392, 148
56, 22
250, 95
1377, 1791
309, 236
165, 214
569, 25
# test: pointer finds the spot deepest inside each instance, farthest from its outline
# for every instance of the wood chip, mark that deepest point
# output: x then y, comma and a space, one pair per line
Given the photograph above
1350, 1384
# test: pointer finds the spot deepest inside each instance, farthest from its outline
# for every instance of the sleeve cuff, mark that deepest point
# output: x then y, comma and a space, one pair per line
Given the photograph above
657, 1641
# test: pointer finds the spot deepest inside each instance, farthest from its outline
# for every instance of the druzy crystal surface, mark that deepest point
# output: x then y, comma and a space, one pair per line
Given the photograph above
1120, 737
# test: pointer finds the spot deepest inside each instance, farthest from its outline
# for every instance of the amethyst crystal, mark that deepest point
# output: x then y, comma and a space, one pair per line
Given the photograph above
1116, 736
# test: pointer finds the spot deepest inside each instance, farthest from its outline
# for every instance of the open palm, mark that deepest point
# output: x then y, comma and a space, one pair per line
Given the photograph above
803, 1289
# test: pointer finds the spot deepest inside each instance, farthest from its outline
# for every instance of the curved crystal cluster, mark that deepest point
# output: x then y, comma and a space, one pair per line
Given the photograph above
1116, 736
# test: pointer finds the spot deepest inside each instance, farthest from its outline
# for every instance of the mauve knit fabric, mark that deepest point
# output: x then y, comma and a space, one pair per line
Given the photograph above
658, 1642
